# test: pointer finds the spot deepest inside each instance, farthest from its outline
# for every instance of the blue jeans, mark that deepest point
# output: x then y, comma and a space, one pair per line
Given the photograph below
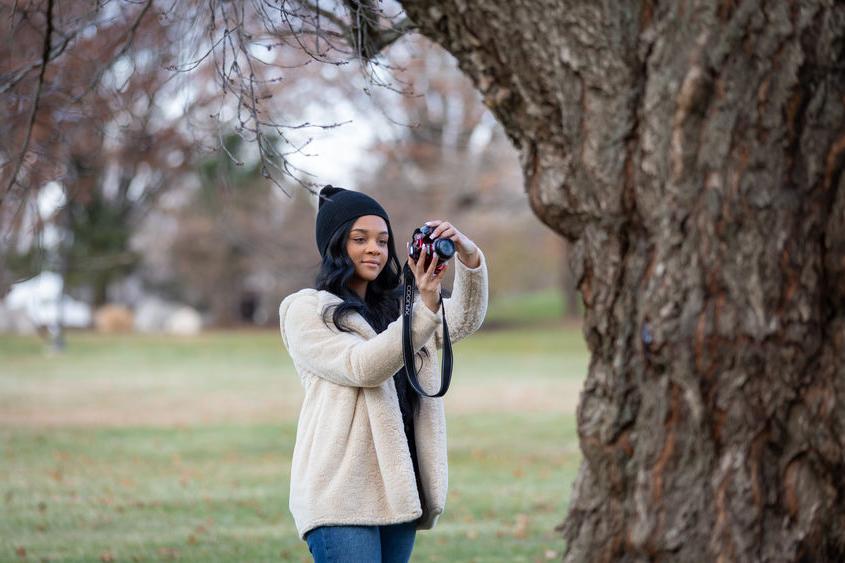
362, 544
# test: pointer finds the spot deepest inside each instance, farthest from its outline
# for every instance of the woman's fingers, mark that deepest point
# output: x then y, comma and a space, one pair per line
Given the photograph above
439, 228
421, 262
426, 274
428, 279
433, 265
418, 266
444, 229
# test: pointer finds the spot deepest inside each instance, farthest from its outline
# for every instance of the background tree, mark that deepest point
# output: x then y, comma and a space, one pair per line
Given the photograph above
229, 238
94, 125
91, 126
694, 152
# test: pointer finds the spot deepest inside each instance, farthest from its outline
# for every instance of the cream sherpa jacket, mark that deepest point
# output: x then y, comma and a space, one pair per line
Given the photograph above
350, 462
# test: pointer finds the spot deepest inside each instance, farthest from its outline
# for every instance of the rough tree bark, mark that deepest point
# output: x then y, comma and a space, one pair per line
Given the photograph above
693, 152
569, 285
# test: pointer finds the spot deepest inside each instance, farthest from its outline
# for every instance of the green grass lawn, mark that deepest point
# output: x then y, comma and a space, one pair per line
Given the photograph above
158, 448
545, 306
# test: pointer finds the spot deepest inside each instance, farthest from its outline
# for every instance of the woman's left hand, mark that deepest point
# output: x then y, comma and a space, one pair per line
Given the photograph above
466, 249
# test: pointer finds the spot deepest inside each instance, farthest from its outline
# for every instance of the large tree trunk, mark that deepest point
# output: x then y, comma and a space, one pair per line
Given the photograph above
694, 152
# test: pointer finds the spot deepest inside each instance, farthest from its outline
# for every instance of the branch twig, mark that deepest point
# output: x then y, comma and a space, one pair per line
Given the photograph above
45, 57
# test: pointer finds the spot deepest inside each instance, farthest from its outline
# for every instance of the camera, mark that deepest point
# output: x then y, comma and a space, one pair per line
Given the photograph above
443, 247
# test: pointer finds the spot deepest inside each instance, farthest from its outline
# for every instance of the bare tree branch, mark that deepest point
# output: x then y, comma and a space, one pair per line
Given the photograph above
365, 32
84, 22
24, 71
130, 36
45, 57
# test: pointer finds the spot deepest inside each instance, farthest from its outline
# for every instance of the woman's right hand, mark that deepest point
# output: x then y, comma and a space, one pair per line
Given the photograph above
428, 282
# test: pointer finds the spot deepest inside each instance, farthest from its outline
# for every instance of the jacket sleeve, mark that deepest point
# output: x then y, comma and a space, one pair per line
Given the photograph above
467, 306
347, 358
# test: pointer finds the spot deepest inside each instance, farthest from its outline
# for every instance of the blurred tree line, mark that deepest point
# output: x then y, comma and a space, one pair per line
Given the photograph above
166, 190
237, 245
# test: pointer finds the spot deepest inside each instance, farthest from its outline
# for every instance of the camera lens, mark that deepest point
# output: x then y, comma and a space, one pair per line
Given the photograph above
445, 248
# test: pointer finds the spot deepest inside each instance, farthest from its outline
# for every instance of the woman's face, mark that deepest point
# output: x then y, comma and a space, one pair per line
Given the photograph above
367, 246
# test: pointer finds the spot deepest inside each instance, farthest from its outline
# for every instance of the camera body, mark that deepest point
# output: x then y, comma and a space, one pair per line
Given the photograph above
443, 247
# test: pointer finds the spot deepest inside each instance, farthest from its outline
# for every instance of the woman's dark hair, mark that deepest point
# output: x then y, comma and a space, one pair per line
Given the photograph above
383, 300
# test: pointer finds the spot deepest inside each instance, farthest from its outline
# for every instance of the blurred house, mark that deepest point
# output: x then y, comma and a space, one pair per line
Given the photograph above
42, 301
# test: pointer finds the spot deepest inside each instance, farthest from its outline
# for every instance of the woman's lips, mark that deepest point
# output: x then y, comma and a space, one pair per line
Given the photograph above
371, 264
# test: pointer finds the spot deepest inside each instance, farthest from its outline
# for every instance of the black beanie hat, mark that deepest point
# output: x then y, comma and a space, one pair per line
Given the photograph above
337, 206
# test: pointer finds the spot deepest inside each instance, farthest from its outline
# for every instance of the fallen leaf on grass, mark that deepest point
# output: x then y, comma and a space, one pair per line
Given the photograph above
551, 554
106, 556
168, 552
21, 551
521, 528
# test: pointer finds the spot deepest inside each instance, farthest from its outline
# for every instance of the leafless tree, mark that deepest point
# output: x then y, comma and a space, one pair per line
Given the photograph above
64, 63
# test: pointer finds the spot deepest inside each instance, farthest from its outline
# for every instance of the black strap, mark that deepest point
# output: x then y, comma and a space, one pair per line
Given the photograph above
408, 346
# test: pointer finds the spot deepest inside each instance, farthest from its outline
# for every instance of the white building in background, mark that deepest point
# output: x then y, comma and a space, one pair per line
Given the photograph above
38, 299
35, 303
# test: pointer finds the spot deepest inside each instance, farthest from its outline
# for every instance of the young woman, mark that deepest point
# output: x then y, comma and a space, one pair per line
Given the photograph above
369, 464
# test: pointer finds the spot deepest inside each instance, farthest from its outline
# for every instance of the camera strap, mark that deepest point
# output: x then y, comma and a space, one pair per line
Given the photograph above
408, 345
